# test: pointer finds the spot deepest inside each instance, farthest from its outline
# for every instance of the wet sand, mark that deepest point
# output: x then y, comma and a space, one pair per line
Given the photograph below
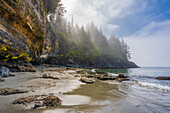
102, 94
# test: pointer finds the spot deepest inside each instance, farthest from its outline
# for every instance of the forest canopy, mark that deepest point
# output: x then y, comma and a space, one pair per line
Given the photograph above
86, 46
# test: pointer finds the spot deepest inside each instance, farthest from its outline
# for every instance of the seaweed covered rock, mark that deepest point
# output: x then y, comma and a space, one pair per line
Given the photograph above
37, 101
163, 78
51, 101
10, 91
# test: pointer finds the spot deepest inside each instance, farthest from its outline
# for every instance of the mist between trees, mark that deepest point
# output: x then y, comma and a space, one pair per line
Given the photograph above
87, 46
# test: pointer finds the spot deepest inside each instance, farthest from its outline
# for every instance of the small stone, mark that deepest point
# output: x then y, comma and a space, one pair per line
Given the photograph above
2, 79
87, 80
33, 90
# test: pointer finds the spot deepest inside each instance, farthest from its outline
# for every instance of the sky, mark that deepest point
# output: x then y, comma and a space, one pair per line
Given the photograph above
143, 24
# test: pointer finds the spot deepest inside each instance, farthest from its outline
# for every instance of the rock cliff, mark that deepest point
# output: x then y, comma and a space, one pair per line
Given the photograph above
23, 31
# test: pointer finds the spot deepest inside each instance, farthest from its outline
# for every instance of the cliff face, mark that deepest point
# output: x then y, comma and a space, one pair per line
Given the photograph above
22, 30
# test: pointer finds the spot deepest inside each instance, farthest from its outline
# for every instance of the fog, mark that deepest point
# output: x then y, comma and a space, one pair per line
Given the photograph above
151, 45
143, 24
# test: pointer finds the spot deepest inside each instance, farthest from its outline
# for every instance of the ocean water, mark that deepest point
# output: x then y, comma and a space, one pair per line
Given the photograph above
145, 94
145, 76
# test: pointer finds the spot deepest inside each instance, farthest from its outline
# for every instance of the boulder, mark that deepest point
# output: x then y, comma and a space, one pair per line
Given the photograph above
163, 78
4, 71
87, 80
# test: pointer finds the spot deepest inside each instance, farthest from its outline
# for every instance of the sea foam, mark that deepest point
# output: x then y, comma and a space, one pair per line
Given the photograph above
154, 85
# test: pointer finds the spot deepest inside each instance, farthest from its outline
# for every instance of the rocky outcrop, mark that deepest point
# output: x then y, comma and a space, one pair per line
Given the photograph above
88, 76
22, 67
10, 91
122, 76
163, 78
37, 101
25, 25
4, 73
23, 31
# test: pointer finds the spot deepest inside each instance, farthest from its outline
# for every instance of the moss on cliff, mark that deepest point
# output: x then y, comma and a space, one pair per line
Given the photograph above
24, 22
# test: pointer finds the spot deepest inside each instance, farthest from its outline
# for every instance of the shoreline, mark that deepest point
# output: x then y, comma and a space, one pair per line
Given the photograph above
35, 85
76, 96
68, 80
85, 67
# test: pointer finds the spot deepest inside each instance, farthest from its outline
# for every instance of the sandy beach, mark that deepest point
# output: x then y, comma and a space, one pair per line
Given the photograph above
77, 97
38, 86
74, 94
